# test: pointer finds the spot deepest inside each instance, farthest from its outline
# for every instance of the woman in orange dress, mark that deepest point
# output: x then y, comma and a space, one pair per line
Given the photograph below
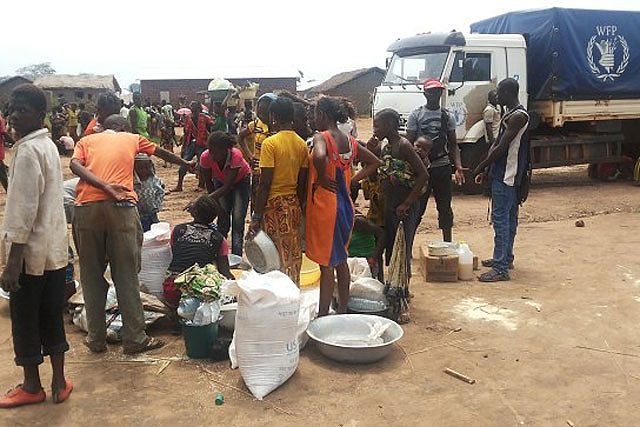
330, 212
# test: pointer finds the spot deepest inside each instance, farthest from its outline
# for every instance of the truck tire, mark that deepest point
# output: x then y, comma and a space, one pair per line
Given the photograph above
471, 155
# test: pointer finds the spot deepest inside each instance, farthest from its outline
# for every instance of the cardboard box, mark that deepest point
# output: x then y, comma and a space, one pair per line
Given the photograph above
439, 269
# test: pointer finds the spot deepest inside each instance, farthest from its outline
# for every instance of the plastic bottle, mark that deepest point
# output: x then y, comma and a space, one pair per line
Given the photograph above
465, 262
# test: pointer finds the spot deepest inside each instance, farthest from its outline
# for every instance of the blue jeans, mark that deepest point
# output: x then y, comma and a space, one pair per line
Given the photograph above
235, 204
504, 216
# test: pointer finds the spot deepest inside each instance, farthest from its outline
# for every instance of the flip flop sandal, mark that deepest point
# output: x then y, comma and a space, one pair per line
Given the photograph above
19, 397
152, 344
62, 395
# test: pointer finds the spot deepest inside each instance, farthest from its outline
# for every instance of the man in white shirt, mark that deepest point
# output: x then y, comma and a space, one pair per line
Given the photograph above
491, 116
124, 111
167, 112
35, 234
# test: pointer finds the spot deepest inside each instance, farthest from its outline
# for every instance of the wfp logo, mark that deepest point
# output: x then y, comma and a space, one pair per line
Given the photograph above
459, 112
612, 52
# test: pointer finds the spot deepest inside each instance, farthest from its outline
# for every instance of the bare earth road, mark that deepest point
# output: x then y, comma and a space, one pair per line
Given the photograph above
521, 341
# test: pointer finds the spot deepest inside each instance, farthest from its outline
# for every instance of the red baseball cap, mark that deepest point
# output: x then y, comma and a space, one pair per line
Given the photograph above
432, 84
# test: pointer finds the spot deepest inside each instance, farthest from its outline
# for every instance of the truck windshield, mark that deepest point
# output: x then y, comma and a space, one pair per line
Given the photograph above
416, 67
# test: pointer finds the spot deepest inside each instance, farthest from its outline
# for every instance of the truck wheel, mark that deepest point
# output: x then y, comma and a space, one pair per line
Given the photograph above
470, 155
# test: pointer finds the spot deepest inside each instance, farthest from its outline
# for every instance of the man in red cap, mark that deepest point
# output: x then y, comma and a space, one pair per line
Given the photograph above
436, 123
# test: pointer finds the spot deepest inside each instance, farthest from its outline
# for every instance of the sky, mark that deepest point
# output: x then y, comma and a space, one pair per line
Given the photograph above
141, 39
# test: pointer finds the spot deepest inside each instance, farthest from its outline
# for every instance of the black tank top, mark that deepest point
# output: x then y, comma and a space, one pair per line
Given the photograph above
194, 243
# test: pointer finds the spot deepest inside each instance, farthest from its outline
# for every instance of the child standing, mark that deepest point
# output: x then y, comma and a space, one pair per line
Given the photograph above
423, 147
150, 190
35, 233
168, 138
368, 241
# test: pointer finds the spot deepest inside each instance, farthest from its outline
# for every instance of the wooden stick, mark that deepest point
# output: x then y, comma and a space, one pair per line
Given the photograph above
249, 395
118, 362
459, 376
406, 356
480, 350
441, 345
150, 361
165, 365
602, 350
625, 373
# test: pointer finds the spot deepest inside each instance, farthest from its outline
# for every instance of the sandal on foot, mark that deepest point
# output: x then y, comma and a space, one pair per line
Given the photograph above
489, 264
19, 397
151, 344
60, 396
494, 276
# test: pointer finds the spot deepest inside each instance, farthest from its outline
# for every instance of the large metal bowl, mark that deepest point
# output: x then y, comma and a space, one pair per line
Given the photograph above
332, 332
262, 253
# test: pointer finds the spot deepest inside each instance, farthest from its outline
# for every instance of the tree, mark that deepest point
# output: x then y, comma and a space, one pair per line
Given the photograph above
134, 87
34, 71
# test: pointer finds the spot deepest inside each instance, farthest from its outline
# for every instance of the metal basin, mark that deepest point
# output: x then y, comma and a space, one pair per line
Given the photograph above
343, 337
262, 253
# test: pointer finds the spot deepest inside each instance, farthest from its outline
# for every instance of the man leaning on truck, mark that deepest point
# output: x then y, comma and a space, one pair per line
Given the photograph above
436, 123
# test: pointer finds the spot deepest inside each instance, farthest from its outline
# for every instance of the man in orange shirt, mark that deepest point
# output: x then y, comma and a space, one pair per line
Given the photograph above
107, 229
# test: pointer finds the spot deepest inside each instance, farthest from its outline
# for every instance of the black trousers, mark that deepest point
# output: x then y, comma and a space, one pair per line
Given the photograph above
440, 185
37, 324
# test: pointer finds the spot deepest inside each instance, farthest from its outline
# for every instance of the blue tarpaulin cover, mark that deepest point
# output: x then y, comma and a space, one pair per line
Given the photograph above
576, 53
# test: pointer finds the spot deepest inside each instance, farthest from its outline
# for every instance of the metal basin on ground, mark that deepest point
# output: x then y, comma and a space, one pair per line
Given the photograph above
344, 337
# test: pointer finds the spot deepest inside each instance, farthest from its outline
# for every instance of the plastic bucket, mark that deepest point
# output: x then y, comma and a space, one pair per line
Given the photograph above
199, 340
309, 273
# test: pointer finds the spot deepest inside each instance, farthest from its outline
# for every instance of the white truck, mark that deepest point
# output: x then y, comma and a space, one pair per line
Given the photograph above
578, 115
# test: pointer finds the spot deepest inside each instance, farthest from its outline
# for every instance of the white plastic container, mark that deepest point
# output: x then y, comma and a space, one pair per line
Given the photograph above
465, 262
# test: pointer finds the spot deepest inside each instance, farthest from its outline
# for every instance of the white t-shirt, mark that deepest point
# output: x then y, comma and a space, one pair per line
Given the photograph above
491, 115
124, 112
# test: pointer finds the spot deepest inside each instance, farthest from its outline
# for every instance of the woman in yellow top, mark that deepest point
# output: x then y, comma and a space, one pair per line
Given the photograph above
72, 121
283, 182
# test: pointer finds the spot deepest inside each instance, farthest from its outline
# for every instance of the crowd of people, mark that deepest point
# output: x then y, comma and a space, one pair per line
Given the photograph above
295, 166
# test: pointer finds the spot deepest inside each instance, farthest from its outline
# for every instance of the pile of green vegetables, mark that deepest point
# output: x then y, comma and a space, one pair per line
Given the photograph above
202, 283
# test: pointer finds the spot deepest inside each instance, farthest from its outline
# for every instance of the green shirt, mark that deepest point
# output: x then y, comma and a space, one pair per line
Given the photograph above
141, 121
220, 123
362, 245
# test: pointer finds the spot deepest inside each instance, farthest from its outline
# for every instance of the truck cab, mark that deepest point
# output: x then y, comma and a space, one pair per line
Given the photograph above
469, 66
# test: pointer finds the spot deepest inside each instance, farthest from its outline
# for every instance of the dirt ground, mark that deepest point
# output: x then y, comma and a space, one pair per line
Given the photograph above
522, 341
